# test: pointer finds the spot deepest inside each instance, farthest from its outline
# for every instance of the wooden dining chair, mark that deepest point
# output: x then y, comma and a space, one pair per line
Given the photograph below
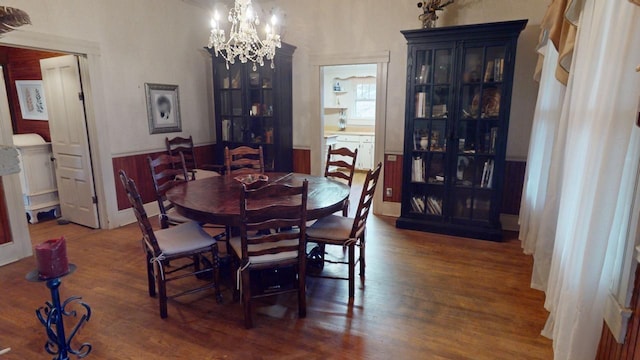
341, 165
244, 160
348, 232
166, 172
183, 145
260, 247
187, 240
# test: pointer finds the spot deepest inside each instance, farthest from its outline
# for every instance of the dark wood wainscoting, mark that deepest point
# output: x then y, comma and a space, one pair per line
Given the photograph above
609, 348
512, 189
137, 168
302, 161
392, 177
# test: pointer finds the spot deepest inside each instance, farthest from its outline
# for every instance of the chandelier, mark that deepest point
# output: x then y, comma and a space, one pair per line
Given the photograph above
243, 42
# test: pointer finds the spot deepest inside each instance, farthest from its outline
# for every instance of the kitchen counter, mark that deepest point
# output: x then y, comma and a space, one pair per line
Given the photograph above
348, 132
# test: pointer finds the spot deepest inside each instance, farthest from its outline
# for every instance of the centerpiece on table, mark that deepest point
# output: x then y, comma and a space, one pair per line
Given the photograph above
252, 181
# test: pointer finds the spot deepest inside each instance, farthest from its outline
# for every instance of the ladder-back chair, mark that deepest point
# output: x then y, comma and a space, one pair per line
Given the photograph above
348, 232
185, 241
261, 247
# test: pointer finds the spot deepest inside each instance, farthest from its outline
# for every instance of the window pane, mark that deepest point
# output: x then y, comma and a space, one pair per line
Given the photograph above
365, 91
365, 109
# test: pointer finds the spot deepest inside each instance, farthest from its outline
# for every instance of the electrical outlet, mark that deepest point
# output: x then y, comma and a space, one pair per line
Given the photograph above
389, 192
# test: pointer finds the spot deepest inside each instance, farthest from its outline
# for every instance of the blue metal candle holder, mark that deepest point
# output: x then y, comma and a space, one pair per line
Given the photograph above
52, 317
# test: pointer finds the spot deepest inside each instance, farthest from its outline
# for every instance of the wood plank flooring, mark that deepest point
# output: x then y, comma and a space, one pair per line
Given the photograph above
425, 296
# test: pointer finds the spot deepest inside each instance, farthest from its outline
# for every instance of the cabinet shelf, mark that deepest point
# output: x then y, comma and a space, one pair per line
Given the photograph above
470, 158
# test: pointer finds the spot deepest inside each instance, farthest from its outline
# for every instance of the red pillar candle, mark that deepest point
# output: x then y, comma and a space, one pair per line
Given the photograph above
51, 257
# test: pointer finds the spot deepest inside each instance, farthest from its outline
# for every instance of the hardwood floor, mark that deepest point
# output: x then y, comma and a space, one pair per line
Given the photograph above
426, 296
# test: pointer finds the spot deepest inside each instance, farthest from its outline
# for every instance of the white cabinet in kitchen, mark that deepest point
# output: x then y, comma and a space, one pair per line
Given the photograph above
364, 144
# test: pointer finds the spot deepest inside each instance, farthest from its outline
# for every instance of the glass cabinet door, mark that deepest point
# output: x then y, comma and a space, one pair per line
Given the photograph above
231, 104
477, 129
432, 94
260, 121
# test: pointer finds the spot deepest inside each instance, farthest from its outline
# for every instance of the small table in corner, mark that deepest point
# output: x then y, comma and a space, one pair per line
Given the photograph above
216, 200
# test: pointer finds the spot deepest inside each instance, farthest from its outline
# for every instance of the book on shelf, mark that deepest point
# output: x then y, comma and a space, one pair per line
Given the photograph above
437, 179
439, 111
418, 135
487, 174
434, 205
488, 72
417, 204
492, 140
423, 78
498, 68
417, 170
421, 104
226, 129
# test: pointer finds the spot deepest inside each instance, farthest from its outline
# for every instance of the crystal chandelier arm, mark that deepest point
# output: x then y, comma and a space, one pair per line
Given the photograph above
243, 42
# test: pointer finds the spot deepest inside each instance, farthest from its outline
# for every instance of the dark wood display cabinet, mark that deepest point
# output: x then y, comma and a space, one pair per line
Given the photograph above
459, 82
254, 108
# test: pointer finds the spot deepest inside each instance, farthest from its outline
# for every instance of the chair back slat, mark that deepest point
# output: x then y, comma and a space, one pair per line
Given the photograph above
341, 164
244, 160
366, 200
137, 206
166, 172
183, 145
265, 210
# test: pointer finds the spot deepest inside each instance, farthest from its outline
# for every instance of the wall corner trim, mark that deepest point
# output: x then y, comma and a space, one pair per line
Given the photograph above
616, 317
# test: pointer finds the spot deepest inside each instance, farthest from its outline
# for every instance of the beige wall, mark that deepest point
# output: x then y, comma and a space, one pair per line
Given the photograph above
139, 41
161, 41
128, 43
332, 27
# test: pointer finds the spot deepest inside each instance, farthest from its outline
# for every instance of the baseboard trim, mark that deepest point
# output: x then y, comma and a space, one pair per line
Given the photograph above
616, 317
390, 209
510, 222
126, 216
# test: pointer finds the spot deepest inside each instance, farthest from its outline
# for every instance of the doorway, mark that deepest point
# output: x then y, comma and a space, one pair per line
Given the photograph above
318, 62
62, 130
348, 98
89, 56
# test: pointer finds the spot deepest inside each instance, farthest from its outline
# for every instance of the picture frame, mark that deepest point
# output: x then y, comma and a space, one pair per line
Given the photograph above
33, 105
163, 108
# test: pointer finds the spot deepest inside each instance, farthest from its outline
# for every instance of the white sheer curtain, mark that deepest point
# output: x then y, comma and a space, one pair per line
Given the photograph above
572, 193
538, 217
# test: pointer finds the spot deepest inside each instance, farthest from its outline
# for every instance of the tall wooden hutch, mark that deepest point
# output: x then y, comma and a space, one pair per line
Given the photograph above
254, 108
458, 101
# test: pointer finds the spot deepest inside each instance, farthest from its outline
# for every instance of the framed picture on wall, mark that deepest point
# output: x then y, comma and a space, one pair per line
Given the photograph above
33, 105
163, 108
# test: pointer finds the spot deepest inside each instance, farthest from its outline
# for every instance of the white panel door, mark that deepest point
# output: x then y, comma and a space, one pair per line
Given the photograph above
69, 139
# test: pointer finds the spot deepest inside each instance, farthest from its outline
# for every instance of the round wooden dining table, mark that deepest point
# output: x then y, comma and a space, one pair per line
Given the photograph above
216, 200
